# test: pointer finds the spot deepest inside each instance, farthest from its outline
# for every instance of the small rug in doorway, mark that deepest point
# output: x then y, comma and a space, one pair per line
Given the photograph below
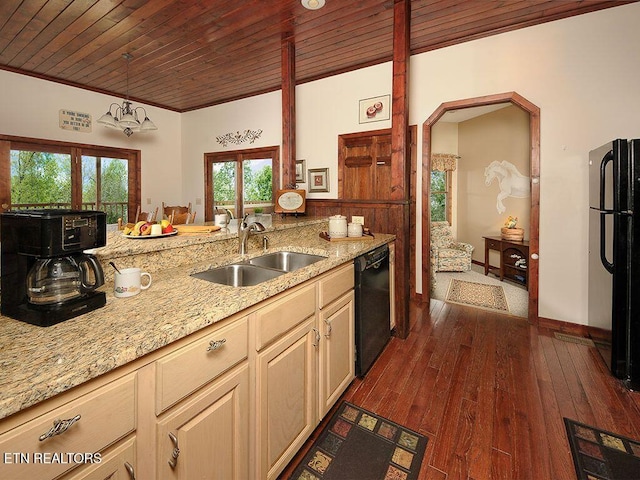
359, 445
601, 455
480, 295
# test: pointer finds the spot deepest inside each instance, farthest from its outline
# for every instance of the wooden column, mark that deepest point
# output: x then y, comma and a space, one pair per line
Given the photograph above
288, 110
400, 168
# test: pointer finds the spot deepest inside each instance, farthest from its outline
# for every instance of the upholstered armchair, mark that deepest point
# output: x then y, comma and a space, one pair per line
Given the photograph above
447, 255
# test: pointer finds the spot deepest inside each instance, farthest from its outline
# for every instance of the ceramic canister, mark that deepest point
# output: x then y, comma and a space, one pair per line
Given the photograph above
338, 226
354, 230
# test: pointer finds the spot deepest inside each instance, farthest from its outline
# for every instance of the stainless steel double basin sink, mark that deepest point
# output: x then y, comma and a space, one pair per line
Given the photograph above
259, 269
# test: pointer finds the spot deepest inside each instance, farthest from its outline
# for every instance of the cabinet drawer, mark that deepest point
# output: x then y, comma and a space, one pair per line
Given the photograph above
184, 371
336, 284
492, 244
114, 464
105, 415
283, 314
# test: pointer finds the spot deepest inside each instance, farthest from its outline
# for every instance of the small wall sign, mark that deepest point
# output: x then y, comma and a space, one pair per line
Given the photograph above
76, 121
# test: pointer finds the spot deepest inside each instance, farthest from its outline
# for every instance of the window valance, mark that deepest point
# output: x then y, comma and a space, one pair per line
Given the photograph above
443, 161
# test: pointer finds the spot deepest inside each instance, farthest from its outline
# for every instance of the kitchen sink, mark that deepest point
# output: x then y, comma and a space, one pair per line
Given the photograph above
258, 269
238, 275
286, 261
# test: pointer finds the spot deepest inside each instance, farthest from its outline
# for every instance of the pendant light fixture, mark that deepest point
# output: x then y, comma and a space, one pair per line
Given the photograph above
312, 4
125, 116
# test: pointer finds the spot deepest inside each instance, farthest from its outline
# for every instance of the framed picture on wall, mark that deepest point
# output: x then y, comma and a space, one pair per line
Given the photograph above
300, 166
318, 180
375, 109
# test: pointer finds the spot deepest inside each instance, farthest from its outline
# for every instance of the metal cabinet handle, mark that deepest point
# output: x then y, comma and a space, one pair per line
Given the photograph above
216, 344
59, 427
317, 337
173, 461
130, 471
328, 334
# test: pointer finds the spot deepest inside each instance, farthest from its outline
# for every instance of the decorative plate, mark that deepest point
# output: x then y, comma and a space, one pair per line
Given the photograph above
290, 201
144, 237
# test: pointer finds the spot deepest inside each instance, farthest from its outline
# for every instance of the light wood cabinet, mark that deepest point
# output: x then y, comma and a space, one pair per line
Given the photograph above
336, 366
285, 398
207, 435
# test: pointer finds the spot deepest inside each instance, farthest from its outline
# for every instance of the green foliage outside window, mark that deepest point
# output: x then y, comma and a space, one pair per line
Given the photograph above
438, 198
256, 182
43, 180
40, 178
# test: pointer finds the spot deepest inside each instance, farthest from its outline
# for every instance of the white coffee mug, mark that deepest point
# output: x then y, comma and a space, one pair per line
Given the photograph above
220, 219
128, 282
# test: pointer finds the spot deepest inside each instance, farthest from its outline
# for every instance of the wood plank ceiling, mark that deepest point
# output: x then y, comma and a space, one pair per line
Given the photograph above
188, 54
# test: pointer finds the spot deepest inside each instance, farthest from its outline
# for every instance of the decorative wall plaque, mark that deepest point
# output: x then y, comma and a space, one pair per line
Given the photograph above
238, 138
76, 121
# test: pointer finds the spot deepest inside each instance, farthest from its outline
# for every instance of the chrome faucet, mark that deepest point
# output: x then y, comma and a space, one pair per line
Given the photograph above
244, 231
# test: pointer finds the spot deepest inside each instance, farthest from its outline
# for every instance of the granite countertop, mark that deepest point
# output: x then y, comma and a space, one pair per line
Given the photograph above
37, 363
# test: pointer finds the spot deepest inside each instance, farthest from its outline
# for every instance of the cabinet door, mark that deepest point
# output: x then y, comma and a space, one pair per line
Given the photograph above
207, 436
118, 463
337, 345
285, 400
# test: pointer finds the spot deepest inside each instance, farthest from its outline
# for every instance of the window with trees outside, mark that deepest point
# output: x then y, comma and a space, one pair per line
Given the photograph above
242, 181
440, 196
41, 174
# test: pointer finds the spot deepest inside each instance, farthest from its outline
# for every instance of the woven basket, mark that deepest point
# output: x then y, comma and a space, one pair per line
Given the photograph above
513, 234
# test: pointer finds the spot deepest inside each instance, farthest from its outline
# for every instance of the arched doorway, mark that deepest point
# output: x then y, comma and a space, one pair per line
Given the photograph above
534, 225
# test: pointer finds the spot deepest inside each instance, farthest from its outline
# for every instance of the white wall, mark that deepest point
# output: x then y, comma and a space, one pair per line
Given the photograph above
200, 129
30, 108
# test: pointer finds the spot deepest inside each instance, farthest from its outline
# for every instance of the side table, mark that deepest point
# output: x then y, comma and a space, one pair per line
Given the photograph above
514, 258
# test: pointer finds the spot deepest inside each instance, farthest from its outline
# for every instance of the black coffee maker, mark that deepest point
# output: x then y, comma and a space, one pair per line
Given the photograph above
46, 277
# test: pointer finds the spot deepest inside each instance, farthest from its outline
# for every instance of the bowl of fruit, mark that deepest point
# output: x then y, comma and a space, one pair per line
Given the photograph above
143, 230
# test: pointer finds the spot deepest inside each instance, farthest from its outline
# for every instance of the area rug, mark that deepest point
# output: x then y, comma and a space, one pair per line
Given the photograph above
601, 455
360, 445
480, 295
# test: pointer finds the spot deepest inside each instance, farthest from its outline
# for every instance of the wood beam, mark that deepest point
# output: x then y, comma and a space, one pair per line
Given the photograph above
400, 168
288, 111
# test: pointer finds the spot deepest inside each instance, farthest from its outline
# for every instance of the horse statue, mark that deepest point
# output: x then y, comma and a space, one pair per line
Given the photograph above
511, 182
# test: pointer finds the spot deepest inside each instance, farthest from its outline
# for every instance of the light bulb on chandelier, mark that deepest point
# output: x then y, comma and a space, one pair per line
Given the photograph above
125, 116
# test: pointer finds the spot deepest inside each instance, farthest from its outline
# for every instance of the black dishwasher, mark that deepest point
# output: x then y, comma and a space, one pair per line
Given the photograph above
373, 309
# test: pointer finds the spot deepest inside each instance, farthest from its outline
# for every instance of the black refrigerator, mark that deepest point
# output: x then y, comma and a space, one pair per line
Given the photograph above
614, 257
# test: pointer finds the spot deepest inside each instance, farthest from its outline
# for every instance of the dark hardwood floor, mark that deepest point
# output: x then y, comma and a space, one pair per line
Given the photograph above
490, 391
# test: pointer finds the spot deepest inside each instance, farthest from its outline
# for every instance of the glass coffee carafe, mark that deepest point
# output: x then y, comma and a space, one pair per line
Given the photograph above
58, 279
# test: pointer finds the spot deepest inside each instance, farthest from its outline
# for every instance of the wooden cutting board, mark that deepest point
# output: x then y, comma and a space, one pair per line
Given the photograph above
196, 229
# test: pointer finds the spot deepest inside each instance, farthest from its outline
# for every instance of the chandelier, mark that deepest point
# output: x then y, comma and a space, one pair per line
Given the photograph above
125, 116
